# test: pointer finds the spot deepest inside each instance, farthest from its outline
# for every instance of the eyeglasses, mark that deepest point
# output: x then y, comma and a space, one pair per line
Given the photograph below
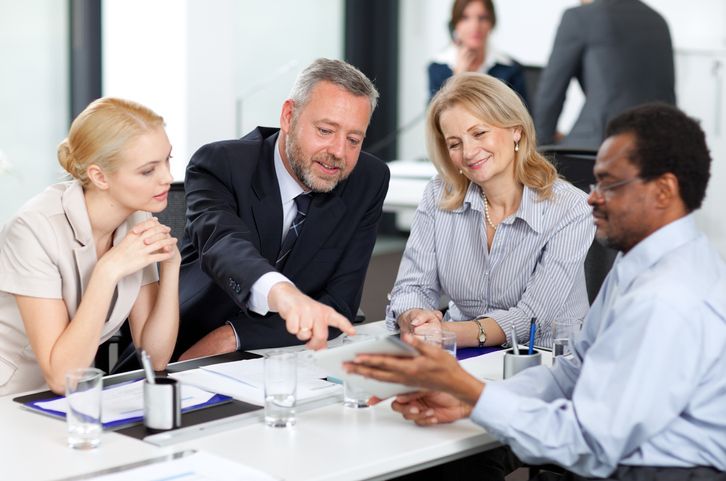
600, 189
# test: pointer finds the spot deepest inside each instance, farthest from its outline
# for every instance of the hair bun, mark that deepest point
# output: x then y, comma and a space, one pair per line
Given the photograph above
66, 159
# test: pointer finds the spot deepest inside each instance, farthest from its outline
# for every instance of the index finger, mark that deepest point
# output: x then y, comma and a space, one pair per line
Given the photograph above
410, 396
337, 320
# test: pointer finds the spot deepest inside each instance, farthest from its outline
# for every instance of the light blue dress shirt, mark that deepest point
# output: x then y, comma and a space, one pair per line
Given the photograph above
535, 267
646, 385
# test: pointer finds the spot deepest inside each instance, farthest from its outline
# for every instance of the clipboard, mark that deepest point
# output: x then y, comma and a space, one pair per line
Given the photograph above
36, 404
198, 418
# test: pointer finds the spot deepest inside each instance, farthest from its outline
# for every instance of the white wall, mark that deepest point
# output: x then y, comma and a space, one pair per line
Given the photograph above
214, 69
33, 98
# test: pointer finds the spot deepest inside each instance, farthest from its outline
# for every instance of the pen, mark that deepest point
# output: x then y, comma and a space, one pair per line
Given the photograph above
146, 362
514, 341
532, 329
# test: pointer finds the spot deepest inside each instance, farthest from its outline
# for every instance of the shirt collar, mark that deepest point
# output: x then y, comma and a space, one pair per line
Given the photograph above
74, 206
493, 57
654, 247
289, 188
530, 208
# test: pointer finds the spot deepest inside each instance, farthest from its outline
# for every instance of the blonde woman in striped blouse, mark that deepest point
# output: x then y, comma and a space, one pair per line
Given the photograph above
496, 231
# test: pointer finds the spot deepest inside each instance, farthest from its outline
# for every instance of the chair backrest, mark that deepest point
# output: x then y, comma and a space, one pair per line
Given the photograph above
575, 166
598, 262
175, 214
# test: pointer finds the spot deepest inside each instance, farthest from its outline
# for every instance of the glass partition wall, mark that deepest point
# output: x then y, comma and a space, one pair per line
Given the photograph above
34, 101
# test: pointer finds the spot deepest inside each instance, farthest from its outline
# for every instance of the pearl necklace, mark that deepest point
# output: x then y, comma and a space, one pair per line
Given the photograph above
486, 212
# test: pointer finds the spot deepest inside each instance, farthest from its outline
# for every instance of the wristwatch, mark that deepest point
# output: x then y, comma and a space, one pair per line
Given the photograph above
482, 337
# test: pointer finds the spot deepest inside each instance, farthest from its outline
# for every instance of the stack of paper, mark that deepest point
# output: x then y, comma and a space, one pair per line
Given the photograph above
188, 465
244, 380
124, 403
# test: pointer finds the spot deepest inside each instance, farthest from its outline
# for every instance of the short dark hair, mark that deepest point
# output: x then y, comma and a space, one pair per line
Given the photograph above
457, 11
667, 140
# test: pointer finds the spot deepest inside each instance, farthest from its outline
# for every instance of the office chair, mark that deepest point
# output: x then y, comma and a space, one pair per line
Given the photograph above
575, 165
175, 214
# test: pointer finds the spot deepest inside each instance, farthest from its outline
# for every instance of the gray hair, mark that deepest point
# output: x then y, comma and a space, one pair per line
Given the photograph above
336, 72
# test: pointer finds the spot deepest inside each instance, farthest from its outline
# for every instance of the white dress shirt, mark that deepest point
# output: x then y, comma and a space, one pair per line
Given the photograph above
289, 189
646, 385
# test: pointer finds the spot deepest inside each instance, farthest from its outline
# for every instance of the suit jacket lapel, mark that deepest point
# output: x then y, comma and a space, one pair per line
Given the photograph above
74, 207
127, 290
265, 199
325, 212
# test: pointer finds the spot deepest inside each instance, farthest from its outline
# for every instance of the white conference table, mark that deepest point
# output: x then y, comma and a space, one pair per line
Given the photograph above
327, 443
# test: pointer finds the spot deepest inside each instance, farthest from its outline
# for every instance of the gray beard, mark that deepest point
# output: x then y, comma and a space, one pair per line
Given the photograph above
302, 173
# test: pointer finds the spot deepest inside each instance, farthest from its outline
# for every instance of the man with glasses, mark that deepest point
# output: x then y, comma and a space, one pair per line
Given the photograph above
643, 395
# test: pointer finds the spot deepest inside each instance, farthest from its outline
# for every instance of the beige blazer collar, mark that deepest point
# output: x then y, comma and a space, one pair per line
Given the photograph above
74, 207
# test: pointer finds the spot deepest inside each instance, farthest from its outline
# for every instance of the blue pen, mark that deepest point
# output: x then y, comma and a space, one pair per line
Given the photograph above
532, 329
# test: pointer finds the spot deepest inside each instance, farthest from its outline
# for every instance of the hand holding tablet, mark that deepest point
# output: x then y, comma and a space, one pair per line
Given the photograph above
331, 361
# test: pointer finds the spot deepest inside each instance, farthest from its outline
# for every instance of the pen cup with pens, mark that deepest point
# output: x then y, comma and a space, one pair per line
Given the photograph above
162, 404
162, 399
518, 359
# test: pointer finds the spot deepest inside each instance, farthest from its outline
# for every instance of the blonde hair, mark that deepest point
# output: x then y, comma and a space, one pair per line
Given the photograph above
493, 102
100, 133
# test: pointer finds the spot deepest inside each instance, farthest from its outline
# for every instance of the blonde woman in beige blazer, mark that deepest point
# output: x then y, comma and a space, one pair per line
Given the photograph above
81, 257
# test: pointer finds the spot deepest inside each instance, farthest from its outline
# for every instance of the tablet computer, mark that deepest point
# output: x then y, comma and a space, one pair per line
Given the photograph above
331, 361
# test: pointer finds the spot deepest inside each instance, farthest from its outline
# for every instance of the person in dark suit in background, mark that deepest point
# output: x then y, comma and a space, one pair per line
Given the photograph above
281, 223
621, 53
471, 51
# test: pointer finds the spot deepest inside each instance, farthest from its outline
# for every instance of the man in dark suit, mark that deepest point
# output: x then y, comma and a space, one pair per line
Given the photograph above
281, 223
620, 51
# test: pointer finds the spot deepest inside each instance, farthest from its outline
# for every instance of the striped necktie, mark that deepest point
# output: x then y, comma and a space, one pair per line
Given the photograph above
302, 202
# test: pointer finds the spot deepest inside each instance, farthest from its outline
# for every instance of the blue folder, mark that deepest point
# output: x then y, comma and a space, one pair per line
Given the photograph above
34, 404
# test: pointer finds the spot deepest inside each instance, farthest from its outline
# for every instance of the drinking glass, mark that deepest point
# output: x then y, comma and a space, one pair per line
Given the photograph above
443, 338
84, 388
280, 388
354, 397
564, 332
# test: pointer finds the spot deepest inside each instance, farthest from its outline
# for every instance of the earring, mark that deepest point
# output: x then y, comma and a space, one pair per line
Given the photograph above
516, 146
461, 172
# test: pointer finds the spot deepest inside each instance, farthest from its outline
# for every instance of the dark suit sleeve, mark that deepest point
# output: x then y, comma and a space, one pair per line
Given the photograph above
225, 245
564, 64
344, 288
